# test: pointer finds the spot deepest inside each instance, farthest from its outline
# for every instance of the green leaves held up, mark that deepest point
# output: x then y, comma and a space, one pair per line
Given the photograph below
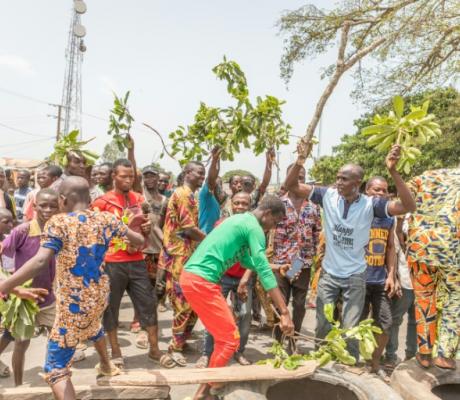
333, 347
120, 121
411, 131
68, 144
258, 126
18, 315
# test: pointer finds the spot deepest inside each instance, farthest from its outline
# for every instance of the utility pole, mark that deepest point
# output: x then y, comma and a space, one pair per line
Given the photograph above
278, 169
59, 118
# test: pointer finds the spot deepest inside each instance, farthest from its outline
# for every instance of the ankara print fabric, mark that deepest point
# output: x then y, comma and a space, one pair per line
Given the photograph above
80, 241
434, 228
181, 214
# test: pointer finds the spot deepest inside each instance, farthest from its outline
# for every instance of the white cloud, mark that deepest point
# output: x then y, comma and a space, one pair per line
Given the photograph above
17, 64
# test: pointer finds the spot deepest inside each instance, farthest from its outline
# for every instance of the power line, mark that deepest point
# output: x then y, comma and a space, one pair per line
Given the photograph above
26, 142
23, 132
12, 93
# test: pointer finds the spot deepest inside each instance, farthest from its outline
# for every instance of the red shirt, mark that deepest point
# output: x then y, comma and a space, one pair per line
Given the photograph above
117, 204
236, 270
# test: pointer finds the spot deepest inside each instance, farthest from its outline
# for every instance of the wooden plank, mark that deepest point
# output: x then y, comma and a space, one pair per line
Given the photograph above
86, 392
186, 376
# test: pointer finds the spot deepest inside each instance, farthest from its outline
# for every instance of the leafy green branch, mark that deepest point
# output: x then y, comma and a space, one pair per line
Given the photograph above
70, 144
120, 121
333, 347
18, 315
411, 131
259, 127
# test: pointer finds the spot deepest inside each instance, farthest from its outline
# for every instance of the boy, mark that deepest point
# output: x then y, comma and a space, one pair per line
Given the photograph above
239, 238
22, 245
79, 239
381, 265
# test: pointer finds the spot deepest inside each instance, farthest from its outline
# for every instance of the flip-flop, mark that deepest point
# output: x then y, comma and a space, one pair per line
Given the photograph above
382, 375
178, 358
135, 327
166, 361
79, 355
202, 362
142, 340
4, 370
419, 360
114, 370
118, 362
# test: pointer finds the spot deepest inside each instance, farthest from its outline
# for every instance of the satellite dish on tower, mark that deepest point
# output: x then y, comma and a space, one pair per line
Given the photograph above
79, 30
79, 6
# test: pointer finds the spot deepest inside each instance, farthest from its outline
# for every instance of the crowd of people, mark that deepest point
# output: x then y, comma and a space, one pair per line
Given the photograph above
86, 235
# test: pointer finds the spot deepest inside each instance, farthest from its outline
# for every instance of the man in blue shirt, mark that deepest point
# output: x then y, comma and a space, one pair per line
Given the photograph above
208, 206
347, 219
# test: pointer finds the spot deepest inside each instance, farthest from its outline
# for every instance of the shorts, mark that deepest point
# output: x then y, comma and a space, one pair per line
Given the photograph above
377, 296
132, 277
59, 359
46, 316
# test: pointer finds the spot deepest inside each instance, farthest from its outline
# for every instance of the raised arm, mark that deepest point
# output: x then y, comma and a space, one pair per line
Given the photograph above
137, 187
29, 270
407, 202
270, 157
214, 169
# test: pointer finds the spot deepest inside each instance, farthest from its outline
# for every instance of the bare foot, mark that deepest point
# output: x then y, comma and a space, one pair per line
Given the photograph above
445, 363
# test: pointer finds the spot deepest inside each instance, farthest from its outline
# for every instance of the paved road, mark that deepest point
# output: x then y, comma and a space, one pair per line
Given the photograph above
84, 373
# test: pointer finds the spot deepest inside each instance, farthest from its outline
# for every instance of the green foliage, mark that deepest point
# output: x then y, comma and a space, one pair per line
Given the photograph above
410, 131
112, 153
334, 347
120, 121
241, 172
68, 144
259, 127
18, 315
440, 152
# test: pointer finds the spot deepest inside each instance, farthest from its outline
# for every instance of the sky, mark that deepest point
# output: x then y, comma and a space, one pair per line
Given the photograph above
163, 52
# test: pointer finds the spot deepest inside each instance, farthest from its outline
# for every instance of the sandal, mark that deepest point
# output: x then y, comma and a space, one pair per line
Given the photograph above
142, 340
162, 308
178, 358
114, 370
382, 375
118, 362
4, 370
79, 355
135, 327
445, 363
241, 359
202, 362
424, 360
166, 361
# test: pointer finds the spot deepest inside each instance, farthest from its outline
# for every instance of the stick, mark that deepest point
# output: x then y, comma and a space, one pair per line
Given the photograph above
161, 138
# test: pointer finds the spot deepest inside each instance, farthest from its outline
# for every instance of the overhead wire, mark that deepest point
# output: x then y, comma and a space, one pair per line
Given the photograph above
22, 131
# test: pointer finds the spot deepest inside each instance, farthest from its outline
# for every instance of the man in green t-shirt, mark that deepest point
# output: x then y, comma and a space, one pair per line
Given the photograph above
239, 238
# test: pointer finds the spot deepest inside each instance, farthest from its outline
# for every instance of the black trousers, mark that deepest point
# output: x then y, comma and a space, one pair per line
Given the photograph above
296, 290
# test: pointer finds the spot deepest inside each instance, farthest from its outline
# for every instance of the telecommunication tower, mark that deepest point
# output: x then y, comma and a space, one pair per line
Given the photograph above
71, 93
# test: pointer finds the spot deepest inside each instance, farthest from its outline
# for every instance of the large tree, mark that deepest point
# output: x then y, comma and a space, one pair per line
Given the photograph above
394, 46
440, 152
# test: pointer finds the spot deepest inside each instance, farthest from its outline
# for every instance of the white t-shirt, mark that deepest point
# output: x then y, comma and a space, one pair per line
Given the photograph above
347, 229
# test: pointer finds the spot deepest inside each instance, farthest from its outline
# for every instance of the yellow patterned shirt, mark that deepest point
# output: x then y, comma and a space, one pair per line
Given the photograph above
434, 228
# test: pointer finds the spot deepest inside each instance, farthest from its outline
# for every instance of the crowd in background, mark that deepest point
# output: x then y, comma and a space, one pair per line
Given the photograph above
350, 244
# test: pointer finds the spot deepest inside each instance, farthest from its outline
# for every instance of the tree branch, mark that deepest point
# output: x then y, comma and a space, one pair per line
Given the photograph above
161, 138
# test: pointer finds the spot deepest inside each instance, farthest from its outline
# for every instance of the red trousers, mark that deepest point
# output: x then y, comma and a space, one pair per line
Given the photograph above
208, 303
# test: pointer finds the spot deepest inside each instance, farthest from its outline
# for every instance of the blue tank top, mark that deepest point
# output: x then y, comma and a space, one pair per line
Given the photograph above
376, 250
